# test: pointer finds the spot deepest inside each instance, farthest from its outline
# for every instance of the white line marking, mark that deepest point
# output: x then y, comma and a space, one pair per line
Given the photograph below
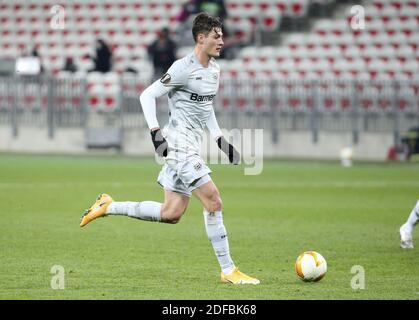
331, 184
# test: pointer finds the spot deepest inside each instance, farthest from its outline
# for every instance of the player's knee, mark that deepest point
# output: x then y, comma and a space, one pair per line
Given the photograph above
215, 203
172, 220
172, 215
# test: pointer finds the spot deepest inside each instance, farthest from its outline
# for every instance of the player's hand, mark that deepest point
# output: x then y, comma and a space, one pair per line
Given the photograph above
229, 150
159, 142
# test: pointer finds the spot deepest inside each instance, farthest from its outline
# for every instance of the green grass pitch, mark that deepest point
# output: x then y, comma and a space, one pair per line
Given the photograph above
350, 215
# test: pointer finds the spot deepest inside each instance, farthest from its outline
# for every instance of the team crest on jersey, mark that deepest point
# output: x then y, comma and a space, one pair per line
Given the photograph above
197, 166
165, 78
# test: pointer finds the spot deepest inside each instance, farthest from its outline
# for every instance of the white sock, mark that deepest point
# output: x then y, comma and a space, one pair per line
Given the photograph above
413, 218
217, 234
145, 210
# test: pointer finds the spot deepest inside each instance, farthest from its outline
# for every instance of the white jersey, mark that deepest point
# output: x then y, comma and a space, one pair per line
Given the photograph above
192, 91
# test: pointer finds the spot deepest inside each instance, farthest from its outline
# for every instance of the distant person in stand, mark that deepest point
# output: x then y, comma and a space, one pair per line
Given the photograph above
69, 65
35, 53
103, 59
189, 7
162, 52
215, 8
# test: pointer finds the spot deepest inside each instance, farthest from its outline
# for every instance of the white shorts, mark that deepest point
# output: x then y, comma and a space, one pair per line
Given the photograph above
184, 176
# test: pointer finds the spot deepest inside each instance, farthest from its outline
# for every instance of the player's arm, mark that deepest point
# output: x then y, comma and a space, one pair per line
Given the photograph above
223, 144
148, 104
173, 79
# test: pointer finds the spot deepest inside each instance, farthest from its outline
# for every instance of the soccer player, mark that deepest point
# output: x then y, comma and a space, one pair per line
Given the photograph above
406, 230
191, 84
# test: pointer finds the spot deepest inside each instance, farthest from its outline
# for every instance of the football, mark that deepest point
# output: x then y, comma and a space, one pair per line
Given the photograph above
310, 266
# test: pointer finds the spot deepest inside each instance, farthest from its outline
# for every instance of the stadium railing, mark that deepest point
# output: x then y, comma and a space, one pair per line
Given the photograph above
276, 105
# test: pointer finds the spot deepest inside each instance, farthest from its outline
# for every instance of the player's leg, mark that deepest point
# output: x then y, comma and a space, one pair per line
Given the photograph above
174, 206
170, 211
406, 230
210, 198
175, 203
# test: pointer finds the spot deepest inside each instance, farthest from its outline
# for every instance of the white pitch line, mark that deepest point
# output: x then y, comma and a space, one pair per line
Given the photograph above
333, 184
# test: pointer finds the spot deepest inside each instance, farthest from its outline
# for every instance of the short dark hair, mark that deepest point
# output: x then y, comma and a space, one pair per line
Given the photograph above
204, 23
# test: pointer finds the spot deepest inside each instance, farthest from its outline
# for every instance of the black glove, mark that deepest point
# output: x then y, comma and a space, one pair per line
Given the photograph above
228, 149
160, 143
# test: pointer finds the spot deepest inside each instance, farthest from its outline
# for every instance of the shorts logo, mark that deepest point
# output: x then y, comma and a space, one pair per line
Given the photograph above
165, 78
197, 166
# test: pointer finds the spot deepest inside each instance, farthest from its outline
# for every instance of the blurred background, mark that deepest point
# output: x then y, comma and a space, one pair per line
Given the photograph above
322, 78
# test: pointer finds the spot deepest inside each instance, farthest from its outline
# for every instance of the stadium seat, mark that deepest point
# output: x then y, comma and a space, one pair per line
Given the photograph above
386, 50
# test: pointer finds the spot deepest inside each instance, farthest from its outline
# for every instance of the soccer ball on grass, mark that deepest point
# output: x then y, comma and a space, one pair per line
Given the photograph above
310, 266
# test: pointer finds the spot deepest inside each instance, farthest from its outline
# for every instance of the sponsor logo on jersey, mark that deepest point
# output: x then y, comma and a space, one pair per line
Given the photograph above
197, 97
